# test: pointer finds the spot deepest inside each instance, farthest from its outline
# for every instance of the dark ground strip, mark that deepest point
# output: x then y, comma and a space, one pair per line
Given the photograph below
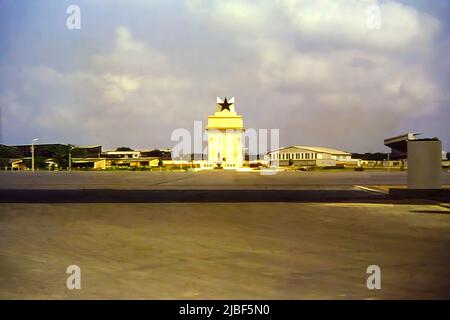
189, 196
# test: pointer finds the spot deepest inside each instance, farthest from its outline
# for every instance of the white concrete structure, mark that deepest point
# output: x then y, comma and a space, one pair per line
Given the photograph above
225, 136
123, 154
424, 164
311, 156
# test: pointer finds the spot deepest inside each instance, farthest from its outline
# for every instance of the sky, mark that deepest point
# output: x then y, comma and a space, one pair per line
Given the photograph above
343, 74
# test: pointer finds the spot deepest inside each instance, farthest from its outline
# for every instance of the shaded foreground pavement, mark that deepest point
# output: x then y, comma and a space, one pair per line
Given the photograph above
268, 249
224, 251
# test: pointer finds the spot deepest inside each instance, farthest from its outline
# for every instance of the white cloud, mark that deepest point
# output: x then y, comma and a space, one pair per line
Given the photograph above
343, 22
242, 17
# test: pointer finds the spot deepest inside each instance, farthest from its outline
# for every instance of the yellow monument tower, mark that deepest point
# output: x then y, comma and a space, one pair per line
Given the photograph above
225, 136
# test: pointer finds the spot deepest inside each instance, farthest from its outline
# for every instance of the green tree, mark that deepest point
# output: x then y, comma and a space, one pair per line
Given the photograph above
59, 153
10, 152
4, 162
39, 162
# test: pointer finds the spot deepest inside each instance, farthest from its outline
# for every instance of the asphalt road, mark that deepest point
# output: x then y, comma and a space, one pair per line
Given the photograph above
224, 250
219, 235
146, 180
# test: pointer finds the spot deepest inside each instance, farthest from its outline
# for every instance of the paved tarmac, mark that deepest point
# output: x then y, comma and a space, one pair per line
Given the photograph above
199, 180
285, 247
224, 250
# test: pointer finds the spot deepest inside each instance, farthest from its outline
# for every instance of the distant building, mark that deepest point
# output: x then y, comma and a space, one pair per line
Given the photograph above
122, 154
310, 156
45, 150
17, 164
87, 151
117, 159
163, 154
399, 145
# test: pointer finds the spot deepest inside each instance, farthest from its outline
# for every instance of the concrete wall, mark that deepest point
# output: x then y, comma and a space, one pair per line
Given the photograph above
424, 164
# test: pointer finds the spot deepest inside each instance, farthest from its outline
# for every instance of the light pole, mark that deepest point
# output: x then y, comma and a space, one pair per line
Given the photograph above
70, 157
32, 153
181, 160
389, 160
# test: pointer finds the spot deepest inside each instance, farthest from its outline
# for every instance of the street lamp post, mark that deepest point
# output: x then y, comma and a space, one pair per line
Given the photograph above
32, 153
70, 157
181, 160
389, 160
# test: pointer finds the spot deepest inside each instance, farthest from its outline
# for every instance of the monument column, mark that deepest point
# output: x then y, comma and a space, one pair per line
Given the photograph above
225, 136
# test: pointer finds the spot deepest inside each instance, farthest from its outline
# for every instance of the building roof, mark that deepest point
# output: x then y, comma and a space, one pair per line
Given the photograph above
401, 138
399, 144
122, 152
87, 147
318, 150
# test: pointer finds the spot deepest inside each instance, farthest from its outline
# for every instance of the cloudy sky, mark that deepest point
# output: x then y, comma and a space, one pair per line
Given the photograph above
326, 73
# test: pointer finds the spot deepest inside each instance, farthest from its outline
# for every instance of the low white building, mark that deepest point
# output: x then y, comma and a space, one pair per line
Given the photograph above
310, 156
123, 154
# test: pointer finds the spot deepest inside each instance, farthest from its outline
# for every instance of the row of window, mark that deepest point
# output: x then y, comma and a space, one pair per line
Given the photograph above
294, 156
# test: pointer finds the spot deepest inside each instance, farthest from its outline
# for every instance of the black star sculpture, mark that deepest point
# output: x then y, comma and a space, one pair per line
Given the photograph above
225, 105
